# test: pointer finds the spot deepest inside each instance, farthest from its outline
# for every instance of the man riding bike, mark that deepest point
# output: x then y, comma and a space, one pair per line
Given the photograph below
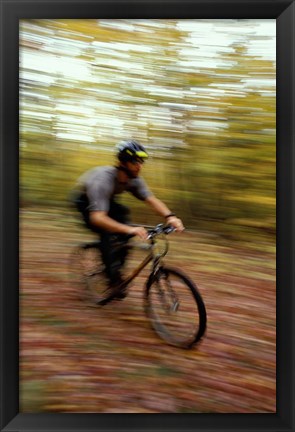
96, 201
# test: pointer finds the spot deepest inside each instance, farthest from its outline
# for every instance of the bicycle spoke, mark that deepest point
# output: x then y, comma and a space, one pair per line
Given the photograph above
90, 273
174, 309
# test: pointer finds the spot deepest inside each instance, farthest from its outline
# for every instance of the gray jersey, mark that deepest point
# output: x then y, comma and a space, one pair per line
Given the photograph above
101, 186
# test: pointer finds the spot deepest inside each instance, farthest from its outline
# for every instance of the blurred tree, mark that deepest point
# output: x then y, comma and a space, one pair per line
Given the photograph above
86, 84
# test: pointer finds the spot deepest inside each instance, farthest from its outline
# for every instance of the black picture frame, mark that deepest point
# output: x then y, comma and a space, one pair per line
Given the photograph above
284, 13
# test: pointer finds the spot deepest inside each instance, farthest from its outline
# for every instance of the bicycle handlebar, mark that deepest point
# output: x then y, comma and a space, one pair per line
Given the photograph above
160, 229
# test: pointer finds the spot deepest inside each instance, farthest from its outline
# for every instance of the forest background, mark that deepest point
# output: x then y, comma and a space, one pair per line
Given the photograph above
199, 94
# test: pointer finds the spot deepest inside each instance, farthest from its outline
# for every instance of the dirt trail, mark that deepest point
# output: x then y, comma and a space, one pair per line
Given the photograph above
77, 358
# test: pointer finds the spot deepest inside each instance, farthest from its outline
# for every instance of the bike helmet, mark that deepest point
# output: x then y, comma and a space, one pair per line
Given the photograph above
131, 150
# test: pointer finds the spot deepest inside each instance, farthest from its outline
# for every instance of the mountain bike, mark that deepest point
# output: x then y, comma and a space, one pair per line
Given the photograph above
172, 301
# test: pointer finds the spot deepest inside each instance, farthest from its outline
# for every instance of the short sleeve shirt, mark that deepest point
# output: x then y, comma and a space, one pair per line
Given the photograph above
102, 185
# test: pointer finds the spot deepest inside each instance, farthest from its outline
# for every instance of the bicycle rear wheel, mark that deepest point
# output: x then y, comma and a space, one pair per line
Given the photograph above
175, 308
89, 272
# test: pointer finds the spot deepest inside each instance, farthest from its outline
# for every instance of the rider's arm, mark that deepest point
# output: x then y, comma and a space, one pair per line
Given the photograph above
158, 206
161, 209
103, 221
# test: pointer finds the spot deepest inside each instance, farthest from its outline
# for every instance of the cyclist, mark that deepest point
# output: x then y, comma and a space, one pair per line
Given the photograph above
102, 214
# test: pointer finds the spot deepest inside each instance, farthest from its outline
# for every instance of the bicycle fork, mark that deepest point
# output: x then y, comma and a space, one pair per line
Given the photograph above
167, 295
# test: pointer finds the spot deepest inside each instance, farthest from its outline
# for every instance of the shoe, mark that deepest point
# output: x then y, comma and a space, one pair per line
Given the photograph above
118, 288
121, 293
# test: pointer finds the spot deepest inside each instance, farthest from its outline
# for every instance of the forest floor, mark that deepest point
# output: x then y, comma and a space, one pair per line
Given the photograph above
83, 359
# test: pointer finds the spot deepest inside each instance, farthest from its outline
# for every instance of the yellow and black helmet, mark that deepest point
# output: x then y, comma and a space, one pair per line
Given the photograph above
131, 150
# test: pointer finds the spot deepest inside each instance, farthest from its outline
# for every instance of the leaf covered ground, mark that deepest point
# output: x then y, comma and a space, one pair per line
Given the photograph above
79, 358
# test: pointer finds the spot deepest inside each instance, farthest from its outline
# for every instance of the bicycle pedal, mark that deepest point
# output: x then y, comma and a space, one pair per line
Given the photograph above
103, 302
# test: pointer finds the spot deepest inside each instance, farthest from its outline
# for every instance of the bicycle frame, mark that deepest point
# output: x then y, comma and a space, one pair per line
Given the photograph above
156, 258
162, 297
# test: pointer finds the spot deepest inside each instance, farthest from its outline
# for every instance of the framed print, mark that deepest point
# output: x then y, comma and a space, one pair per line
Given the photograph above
189, 106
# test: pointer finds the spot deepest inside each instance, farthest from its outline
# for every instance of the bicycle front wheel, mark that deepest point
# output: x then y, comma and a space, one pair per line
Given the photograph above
89, 271
175, 308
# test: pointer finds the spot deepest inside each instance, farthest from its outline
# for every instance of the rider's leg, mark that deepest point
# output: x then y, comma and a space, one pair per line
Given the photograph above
110, 257
121, 214
113, 259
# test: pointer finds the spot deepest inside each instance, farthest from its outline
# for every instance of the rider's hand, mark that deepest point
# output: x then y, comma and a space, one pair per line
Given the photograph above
140, 232
176, 223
